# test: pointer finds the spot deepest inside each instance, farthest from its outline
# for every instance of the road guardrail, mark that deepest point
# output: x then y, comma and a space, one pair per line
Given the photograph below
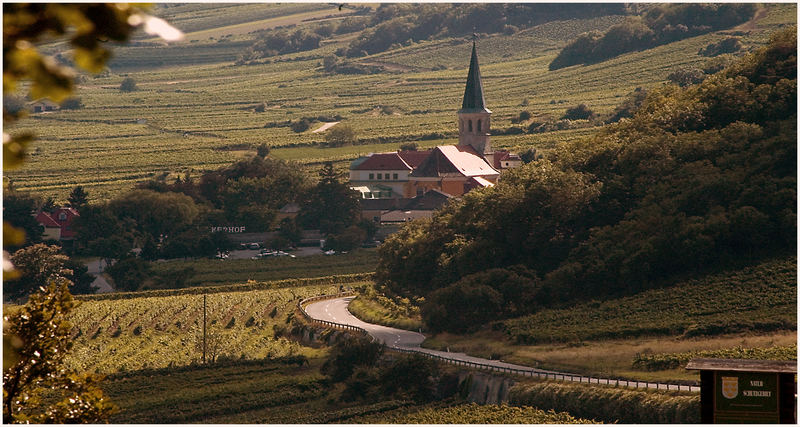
529, 372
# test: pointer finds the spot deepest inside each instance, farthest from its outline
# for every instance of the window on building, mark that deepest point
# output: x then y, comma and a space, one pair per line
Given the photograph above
479, 125
394, 176
380, 176
372, 176
62, 216
469, 123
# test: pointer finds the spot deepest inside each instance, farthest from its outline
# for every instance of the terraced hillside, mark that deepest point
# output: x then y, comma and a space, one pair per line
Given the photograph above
195, 109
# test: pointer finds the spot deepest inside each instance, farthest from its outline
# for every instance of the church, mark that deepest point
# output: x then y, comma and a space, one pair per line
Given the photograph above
450, 169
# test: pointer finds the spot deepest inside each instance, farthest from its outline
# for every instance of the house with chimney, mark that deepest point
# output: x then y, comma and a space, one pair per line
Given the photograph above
452, 170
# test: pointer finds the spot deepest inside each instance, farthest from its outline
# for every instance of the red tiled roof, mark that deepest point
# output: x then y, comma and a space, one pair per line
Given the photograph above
414, 158
383, 161
455, 160
46, 220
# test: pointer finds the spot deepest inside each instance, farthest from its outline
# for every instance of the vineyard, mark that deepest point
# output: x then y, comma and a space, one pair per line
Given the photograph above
471, 414
271, 392
654, 362
759, 298
133, 333
200, 113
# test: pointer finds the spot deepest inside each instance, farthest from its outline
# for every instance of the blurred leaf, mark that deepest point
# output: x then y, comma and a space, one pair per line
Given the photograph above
11, 345
12, 235
92, 60
14, 149
51, 80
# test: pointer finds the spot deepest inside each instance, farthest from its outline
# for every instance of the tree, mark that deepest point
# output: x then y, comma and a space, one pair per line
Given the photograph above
18, 209
331, 205
129, 273
78, 197
128, 85
38, 265
262, 150
340, 135
35, 341
80, 278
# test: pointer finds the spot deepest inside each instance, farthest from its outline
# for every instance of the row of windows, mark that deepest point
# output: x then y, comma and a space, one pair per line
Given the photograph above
378, 195
384, 176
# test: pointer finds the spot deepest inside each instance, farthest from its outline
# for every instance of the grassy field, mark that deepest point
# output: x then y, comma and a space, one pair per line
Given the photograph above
198, 113
212, 272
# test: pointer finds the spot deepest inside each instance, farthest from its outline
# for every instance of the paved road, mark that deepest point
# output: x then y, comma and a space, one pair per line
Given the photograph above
96, 268
335, 310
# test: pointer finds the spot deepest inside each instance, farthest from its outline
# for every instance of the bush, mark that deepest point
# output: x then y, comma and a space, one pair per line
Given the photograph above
409, 146
578, 112
129, 274
128, 85
686, 76
726, 45
340, 135
74, 103
300, 126
347, 240
349, 354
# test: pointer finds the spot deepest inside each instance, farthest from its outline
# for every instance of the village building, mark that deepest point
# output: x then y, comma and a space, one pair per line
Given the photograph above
43, 105
451, 170
58, 224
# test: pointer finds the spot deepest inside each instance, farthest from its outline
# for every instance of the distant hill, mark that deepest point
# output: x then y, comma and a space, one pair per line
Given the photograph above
700, 177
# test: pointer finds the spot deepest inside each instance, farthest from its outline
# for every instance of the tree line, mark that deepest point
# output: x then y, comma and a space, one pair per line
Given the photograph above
659, 24
699, 178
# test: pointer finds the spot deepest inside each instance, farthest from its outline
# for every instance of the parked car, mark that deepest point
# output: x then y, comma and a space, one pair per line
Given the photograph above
254, 245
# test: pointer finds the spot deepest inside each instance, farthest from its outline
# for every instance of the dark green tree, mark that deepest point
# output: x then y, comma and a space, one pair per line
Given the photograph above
38, 265
129, 273
78, 198
331, 206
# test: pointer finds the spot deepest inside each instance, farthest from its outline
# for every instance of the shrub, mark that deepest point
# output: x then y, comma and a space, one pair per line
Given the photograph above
74, 103
128, 85
340, 135
300, 125
349, 354
578, 112
726, 45
686, 76
409, 146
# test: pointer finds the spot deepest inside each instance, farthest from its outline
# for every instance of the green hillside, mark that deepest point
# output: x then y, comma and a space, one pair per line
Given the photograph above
201, 113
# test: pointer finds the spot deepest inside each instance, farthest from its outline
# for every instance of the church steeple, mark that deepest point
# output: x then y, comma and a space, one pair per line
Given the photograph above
474, 117
473, 93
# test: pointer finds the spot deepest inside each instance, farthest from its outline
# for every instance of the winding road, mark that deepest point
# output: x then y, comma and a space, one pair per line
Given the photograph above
335, 310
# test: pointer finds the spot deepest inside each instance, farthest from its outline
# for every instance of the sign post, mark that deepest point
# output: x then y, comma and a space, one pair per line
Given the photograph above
735, 391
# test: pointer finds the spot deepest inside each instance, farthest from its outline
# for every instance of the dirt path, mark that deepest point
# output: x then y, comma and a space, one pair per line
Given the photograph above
325, 127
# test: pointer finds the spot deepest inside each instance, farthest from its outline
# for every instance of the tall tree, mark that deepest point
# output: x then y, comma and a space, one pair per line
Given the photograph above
78, 197
331, 206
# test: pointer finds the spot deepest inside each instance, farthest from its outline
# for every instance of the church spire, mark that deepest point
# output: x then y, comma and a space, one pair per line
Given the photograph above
473, 92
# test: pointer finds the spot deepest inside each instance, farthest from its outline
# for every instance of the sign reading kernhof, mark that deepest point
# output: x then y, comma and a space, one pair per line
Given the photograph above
744, 397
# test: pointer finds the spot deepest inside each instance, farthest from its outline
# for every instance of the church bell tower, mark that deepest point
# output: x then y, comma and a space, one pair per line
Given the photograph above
473, 117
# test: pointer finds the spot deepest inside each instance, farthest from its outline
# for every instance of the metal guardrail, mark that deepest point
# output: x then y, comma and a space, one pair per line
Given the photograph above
530, 372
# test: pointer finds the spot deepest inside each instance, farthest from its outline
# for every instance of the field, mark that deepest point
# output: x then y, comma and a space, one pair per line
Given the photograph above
196, 111
754, 307
212, 272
